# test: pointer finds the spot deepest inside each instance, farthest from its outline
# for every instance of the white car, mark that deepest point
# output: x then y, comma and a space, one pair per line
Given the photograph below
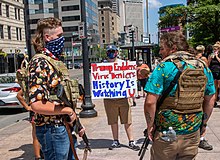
8, 91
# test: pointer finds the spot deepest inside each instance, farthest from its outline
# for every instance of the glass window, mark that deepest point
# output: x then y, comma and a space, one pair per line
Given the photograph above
17, 33
0, 9
70, 29
33, 21
103, 18
9, 32
20, 34
1, 32
70, 8
19, 17
16, 16
71, 18
7, 10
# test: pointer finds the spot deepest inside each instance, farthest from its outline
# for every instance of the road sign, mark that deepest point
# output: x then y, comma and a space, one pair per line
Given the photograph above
81, 30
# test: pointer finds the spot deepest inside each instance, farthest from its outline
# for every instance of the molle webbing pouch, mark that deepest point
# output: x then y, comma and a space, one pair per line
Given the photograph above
71, 90
190, 90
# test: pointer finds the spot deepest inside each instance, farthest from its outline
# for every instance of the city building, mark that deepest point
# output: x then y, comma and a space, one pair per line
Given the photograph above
132, 11
12, 34
69, 11
108, 22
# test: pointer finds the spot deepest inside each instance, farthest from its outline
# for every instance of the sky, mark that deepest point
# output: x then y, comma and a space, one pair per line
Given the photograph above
153, 16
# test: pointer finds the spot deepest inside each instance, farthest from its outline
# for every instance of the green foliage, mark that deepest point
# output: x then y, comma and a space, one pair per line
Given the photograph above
202, 19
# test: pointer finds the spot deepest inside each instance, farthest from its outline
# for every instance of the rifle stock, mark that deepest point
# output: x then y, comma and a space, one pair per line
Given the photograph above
62, 96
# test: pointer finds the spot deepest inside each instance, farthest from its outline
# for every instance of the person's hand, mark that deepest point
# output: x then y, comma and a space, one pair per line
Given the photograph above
72, 117
150, 133
82, 131
29, 108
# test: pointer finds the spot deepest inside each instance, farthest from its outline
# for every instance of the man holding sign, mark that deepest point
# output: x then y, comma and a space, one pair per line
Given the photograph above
116, 104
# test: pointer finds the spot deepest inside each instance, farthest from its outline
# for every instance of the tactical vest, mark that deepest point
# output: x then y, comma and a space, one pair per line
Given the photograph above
190, 91
70, 86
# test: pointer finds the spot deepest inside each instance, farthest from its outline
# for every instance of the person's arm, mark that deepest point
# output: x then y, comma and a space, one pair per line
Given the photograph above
205, 60
216, 55
49, 108
207, 109
149, 112
22, 101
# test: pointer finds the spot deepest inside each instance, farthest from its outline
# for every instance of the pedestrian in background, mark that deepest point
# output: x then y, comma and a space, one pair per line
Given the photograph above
177, 126
118, 107
36, 144
200, 50
143, 72
23, 60
43, 81
214, 65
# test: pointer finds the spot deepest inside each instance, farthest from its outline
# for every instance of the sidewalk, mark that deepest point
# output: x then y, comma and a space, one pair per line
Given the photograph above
16, 141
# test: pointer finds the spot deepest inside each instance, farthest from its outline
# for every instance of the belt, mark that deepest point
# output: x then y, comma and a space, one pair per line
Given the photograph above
55, 123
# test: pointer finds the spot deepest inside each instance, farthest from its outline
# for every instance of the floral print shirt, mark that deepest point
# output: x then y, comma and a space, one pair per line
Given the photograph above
159, 81
43, 81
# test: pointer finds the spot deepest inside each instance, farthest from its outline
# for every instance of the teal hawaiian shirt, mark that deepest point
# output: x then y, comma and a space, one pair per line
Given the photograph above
159, 81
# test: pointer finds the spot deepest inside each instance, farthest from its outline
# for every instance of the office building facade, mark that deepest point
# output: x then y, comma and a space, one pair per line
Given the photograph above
12, 34
69, 11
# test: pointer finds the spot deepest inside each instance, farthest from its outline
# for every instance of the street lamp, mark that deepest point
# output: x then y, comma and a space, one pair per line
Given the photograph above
87, 107
133, 50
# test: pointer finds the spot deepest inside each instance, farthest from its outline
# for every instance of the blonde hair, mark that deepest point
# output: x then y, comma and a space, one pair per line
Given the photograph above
42, 26
200, 48
217, 44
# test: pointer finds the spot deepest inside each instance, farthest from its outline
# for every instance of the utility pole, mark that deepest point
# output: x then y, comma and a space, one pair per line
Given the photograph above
87, 106
147, 15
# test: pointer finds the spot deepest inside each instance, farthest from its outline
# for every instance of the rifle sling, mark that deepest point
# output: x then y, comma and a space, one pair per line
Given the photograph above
71, 140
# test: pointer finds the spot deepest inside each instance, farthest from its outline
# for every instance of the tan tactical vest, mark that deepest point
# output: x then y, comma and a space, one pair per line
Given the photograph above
70, 86
191, 85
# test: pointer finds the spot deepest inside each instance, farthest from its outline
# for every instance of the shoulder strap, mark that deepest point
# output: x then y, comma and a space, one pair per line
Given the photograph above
172, 84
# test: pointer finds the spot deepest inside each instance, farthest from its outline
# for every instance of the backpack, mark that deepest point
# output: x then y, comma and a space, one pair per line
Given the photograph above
70, 86
22, 77
191, 86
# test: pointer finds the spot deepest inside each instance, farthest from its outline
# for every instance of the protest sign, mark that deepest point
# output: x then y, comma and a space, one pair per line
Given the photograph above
113, 80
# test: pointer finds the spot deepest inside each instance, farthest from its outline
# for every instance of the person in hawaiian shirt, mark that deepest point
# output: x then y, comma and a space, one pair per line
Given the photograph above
185, 127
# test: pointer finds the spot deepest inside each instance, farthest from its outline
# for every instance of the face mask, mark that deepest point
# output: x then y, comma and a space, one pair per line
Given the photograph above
56, 46
111, 54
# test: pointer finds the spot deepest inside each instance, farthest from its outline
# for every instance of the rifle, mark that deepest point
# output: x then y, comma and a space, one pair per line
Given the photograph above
159, 103
144, 146
62, 96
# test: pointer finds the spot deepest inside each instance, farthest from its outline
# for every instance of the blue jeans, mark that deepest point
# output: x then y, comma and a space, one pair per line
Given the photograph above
54, 142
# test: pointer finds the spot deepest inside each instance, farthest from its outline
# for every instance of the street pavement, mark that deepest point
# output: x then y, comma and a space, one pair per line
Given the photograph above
16, 140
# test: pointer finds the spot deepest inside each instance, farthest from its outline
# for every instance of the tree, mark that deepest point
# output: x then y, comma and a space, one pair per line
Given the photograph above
200, 17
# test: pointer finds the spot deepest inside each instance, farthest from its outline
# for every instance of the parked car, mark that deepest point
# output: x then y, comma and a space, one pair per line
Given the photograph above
8, 91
